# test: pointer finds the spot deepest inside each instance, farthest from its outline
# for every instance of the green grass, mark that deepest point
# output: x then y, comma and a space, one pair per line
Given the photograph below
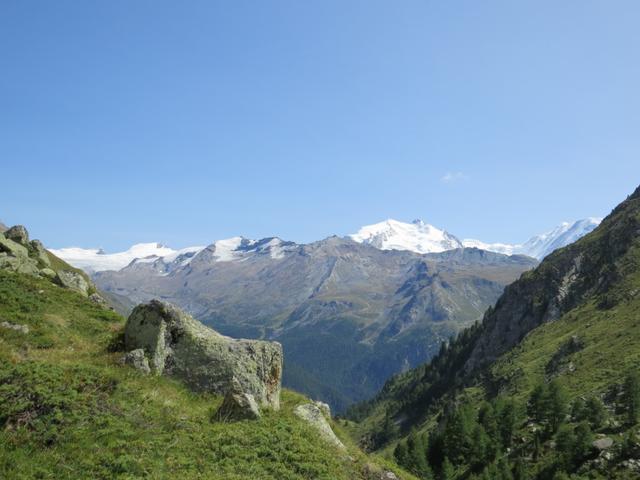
69, 410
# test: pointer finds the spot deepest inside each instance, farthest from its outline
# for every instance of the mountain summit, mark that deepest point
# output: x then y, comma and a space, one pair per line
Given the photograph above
421, 237
417, 236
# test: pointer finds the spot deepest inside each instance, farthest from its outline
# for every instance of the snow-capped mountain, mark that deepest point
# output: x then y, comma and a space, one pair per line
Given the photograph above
165, 259
421, 237
416, 236
539, 246
96, 260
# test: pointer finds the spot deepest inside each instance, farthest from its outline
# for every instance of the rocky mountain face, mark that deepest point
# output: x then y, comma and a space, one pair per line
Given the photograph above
348, 315
569, 277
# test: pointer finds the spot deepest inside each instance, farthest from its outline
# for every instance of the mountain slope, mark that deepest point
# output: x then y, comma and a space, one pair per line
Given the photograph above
69, 409
572, 320
348, 315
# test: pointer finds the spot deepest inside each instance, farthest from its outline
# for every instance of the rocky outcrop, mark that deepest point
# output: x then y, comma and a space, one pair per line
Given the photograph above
21, 255
18, 234
237, 405
73, 281
176, 344
311, 413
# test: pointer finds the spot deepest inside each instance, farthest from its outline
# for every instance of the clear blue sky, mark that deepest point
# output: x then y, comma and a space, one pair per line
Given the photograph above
185, 122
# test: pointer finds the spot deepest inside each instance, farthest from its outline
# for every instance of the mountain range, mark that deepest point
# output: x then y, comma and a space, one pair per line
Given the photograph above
350, 311
421, 237
417, 236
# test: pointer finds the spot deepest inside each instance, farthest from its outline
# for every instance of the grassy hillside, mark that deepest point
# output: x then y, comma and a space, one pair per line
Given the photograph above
68, 409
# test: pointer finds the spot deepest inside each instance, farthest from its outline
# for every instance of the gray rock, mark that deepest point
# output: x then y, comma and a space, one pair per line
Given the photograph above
602, 443
39, 253
324, 408
14, 326
73, 281
314, 416
18, 234
180, 346
137, 360
238, 405
47, 272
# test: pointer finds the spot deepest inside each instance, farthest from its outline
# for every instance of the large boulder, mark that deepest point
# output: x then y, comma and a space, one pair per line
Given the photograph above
313, 415
178, 345
18, 234
14, 256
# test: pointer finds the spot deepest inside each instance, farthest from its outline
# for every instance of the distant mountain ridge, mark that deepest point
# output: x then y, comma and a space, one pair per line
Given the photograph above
417, 236
421, 237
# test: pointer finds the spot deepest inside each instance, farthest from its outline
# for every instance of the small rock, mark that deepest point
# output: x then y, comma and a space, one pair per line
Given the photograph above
602, 443
47, 272
315, 417
138, 360
14, 326
238, 405
324, 408
373, 472
18, 234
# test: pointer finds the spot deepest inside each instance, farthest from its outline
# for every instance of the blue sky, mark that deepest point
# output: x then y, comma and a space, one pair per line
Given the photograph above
185, 122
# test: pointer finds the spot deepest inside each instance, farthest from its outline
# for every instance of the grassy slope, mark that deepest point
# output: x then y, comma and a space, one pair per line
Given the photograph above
69, 410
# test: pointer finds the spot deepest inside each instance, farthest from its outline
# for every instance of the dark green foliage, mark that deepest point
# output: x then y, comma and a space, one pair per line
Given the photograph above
632, 397
548, 405
573, 445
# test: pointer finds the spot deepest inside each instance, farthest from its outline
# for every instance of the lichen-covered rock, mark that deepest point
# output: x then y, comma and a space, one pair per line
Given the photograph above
18, 234
178, 345
137, 360
14, 256
47, 272
374, 472
324, 408
237, 405
310, 413
73, 281
39, 253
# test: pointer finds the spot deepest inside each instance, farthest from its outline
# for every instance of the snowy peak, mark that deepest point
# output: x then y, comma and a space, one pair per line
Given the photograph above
96, 260
416, 236
240, 248
540, 246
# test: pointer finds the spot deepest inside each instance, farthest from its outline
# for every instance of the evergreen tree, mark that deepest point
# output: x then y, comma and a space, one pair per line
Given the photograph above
401, 454
595, 412
555, 406
458, 435
632, 397
565, 442
578, 410
582, 443
507, 414
448, 472
536, 405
